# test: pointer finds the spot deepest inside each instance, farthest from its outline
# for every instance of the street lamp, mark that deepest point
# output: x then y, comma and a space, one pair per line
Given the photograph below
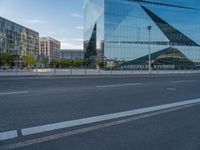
149, 28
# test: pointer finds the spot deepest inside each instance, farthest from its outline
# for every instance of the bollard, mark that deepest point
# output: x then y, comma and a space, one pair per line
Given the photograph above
71, 70
54, 71
16, 71
85, 70
98, 70
36, 71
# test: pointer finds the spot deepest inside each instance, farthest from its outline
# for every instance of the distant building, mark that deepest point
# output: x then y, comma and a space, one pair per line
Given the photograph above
50, 47
72, 54
17, 39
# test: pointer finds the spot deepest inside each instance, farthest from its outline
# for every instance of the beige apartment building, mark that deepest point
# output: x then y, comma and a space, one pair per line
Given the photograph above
51, 48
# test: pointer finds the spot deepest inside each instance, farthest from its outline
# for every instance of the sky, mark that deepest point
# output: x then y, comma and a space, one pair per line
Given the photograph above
59, 19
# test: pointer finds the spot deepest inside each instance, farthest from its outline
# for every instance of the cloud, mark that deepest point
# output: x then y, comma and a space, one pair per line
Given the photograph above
66, 45
51, 33
71, 43
79, 27
36, 21
78, 40
76, 15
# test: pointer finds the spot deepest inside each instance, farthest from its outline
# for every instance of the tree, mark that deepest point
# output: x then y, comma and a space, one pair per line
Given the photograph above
42, 61
66, 63
78, 63
101, 64
30, 60
54, 63
6, 59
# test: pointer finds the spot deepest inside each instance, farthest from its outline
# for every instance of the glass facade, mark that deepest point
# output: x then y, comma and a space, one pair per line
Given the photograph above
17, 40
93, 31
72, 54
116, 33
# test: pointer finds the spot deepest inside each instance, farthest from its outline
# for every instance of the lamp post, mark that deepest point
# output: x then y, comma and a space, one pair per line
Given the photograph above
149, 28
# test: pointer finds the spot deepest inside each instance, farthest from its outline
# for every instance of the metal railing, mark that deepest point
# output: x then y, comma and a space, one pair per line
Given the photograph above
86, 71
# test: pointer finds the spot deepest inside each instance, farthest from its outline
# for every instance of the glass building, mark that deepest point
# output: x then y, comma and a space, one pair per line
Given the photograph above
18, 40
116, 34
72, 54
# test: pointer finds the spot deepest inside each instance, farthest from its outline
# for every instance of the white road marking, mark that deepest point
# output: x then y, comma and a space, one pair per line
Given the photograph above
118, 85
87, 129
8, 135
171, 89
12, 93
96, 119
183, 81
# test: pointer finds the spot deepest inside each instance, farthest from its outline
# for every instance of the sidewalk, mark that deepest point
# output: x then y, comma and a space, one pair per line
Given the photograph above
84, 72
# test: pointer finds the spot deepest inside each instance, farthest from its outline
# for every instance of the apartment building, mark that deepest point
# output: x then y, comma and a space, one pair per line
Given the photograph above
51, 48
17, 40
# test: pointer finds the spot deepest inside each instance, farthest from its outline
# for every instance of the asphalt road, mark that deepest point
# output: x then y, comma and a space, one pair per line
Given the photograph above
47, 106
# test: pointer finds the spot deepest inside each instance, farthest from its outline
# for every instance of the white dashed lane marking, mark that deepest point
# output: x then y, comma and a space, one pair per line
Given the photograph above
118, 85
13, 93
171, 89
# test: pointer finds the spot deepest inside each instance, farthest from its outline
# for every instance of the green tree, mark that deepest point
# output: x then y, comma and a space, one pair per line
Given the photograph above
54, 63
6, 59
101, 64
66, 63
43, 61
78, 63
30, 60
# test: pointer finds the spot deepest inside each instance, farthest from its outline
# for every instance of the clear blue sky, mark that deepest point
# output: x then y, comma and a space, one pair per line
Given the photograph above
60, 19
